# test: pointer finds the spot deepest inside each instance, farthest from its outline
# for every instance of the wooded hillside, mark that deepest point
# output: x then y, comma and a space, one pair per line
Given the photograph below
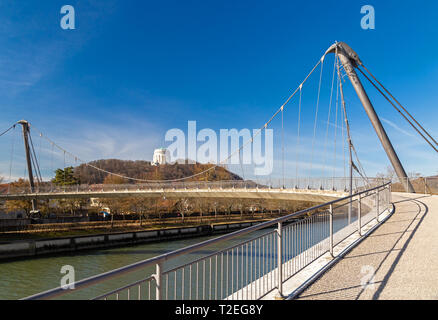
144, 170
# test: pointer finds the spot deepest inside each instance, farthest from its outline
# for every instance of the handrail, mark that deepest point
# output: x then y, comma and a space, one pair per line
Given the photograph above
124, 287
47, 187
166, 256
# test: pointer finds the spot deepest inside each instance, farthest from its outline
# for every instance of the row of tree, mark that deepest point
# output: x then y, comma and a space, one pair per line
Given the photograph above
137, 169
183, 207
153, 207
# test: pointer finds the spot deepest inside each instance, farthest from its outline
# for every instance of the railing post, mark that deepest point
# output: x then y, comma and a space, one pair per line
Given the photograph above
425, 185
158, 278
390, 193
359, 215
331, 230
280, 259
388, 200
377, 205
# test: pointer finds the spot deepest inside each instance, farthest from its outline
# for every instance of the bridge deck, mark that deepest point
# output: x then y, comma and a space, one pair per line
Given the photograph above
320, 196
403, 252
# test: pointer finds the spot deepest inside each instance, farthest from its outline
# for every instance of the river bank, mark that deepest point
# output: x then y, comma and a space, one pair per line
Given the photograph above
28, 248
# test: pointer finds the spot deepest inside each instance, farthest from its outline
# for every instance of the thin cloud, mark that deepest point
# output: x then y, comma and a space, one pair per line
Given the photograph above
396, 127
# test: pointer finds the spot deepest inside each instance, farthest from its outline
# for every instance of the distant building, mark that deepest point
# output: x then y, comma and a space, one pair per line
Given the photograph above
160, 157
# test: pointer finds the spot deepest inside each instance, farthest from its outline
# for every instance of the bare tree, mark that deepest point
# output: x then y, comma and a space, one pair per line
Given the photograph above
18, 205
116, 206
201, 205
241, 205
184, 207
414, 175
214, 204
141, 206
388, 175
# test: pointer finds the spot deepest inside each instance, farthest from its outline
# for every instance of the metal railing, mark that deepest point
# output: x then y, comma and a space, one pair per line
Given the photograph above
334, 184
254, 267
422, 185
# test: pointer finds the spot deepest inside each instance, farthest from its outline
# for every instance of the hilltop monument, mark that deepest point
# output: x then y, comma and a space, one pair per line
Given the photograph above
161, 156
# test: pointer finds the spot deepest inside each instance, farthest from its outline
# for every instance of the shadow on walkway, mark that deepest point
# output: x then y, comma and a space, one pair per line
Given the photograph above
397, 259
350, 292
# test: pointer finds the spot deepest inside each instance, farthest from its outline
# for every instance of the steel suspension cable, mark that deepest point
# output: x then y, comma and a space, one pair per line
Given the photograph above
392, 103
241, 166
298, 139
316, 114
328, 117
336, 130
32, 160
320, 61
347, 126
7, 130
64, 170
282, 140
35, 160
39, 149
25, 174
401, 106
343, 143
360, 170
12, 155
51, 159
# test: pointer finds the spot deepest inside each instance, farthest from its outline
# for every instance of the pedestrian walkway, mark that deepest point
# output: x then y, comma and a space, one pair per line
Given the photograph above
398, 261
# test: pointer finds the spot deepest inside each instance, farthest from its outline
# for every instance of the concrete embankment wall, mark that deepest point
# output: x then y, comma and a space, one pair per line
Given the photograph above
24, 223
11, 224
31, 248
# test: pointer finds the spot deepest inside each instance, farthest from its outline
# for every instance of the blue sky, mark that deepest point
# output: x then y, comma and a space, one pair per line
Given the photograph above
131, 70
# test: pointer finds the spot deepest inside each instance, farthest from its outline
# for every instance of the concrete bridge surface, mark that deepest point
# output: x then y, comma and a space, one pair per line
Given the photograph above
319, 196
402, 254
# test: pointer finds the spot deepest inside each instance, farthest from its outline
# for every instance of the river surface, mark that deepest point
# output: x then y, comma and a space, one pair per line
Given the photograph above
22, 278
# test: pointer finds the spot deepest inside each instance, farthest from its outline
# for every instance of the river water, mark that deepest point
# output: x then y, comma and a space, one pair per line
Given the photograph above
22, 278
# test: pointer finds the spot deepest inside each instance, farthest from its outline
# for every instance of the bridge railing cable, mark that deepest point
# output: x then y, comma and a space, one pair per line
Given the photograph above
49, 190
268, 255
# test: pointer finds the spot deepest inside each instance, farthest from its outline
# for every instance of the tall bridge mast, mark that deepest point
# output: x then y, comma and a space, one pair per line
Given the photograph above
25, 126
350, 60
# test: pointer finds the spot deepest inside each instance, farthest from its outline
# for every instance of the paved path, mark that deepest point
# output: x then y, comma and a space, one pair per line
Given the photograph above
403, 252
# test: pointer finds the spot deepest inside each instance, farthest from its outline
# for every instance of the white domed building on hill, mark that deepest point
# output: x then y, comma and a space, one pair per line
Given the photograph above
161, 156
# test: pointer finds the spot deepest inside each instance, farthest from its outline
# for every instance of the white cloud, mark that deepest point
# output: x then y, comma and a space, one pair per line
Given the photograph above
396, 127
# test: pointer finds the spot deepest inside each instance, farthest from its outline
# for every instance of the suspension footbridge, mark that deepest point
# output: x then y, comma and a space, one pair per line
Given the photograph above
347, 209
